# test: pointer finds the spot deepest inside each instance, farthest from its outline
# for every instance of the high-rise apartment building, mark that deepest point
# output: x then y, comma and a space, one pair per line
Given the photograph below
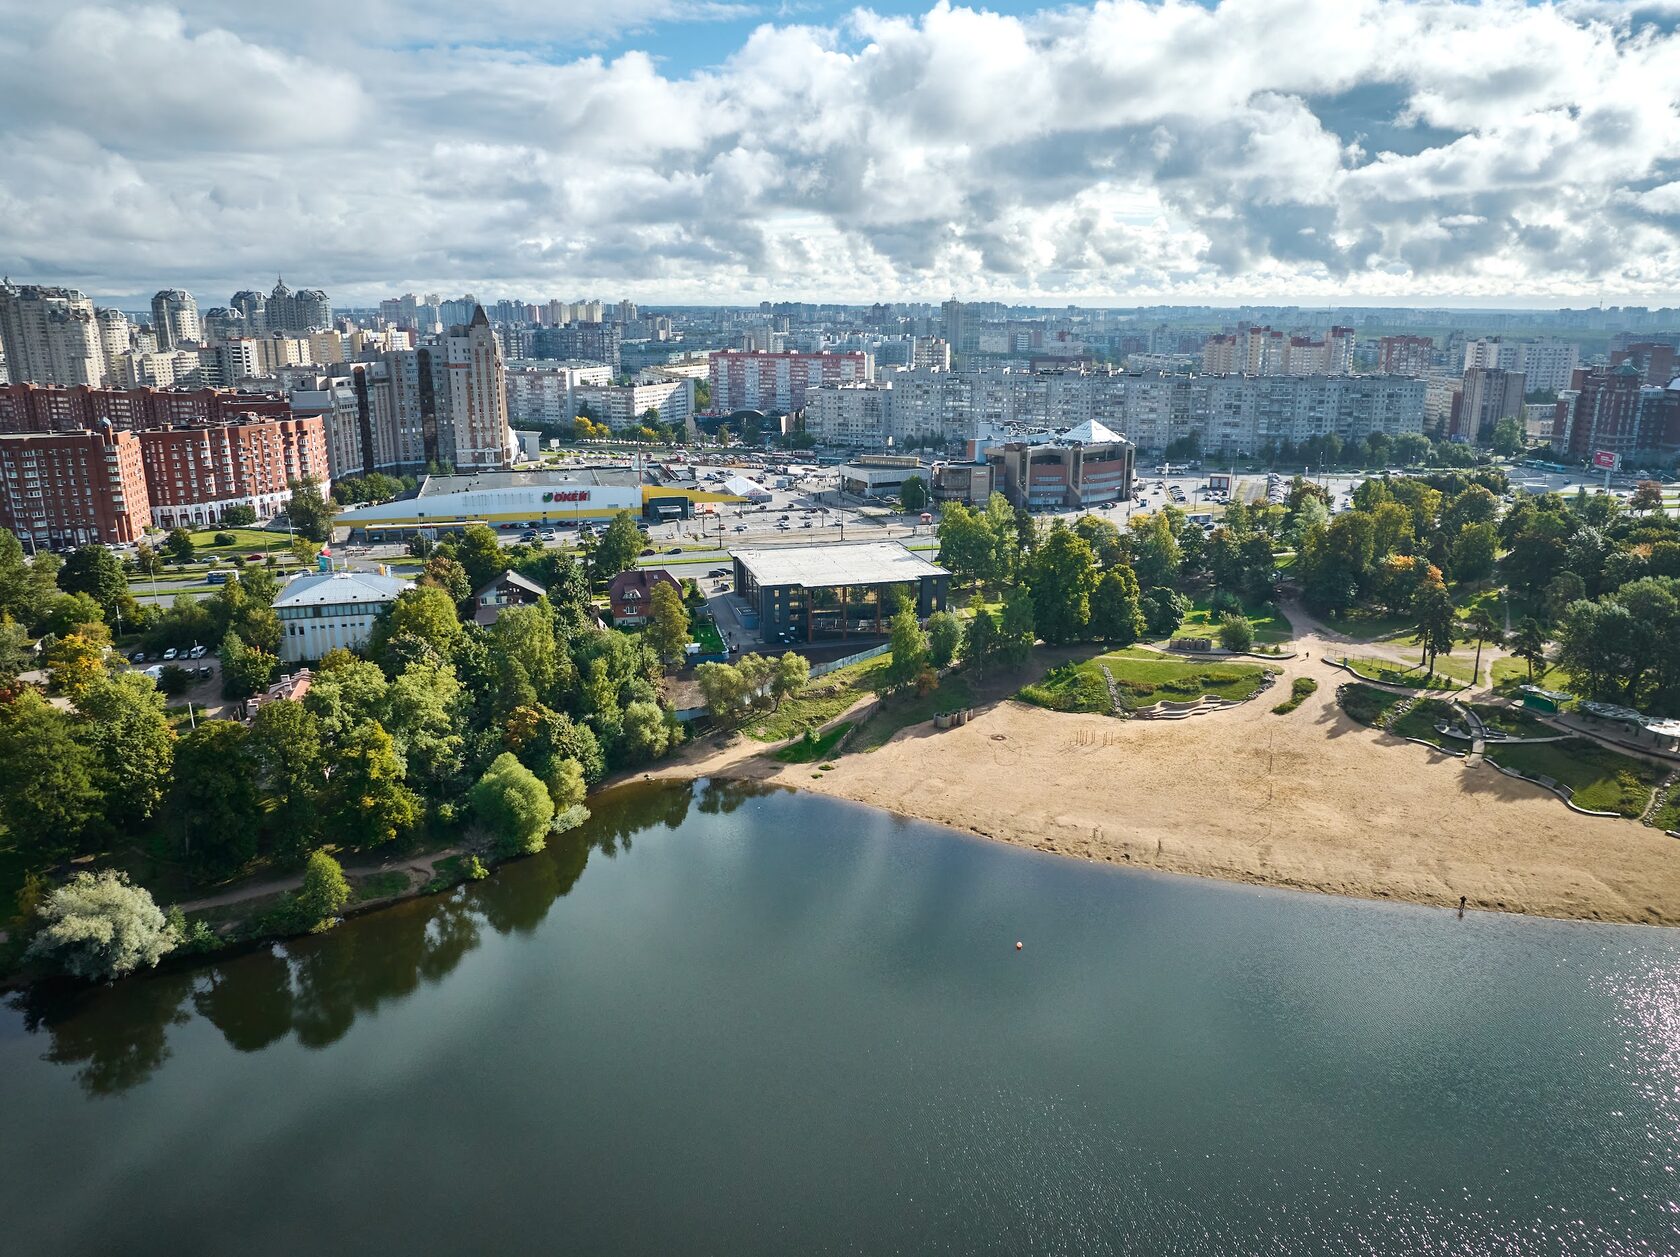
473, 374
114, 333
50, 336
746, 380
61, 489
621, 406
1265, 351
294, 313
1405, 355
1489, 395
253, 308
540, 393
1600, 412
175, 319
1658, 361
591, 341
1546, 365
37, 408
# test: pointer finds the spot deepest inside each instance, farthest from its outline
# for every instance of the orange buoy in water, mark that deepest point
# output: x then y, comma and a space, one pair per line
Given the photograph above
1017, 944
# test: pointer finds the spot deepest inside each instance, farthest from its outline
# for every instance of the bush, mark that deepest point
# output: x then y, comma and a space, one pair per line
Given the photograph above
239, 516
99, 927
322, 896
174, 680
1235, 632
1224, 603
225, 539
1299, 689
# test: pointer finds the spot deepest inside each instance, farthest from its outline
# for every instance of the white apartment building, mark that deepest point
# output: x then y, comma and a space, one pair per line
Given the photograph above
475, 380
621, 406
114, 332
50, 336
175, 319
539, 392
1265, 351
1545, 364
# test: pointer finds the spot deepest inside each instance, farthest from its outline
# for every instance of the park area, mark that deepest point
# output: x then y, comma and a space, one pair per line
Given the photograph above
1143, 678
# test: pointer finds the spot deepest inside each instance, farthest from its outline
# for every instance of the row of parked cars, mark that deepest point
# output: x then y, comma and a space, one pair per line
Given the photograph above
171, 654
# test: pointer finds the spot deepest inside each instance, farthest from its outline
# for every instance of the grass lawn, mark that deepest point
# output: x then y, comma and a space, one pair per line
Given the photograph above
1269, 623
1367, 704
245, 541
1599, 778
903, 710
1510, 673
380, 885
1299, 690
1666, 815
1144, 677
706, 636
1390, 673
1512, 720
810, 749
1419, 723
820, 701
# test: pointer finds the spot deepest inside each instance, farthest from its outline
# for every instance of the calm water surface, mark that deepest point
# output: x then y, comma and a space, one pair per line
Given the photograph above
728, 1021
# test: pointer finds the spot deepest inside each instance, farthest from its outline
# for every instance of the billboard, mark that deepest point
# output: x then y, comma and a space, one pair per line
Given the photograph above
1606, 460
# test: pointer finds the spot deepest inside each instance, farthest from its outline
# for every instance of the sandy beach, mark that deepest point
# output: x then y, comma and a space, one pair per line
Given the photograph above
1310, 800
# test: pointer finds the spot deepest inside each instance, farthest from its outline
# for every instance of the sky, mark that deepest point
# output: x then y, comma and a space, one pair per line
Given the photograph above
1112, 153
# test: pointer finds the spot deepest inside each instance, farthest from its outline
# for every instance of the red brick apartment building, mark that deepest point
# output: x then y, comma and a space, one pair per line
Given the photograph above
193, 474
48, 408
66, 489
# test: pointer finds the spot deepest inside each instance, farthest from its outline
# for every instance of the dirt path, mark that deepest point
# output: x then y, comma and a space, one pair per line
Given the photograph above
424, 865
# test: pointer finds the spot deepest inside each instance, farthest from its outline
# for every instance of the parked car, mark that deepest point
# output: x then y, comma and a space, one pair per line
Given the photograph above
198, 652
203, 674
171, 653
254, 558
527, 535
138, 656
549, 534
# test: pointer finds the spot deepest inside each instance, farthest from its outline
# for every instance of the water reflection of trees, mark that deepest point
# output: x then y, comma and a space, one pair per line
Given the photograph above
316, 987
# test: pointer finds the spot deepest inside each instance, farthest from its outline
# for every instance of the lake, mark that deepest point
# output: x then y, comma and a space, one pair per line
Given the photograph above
730, 1019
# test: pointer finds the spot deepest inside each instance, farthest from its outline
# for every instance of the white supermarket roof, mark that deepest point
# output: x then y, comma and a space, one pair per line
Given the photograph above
848, 563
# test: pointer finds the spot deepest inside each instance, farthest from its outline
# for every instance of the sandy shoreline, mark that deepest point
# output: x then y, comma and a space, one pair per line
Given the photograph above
1309, 801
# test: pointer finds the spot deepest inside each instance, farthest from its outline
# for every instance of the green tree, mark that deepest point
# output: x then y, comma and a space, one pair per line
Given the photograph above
1474, 552
722, 691
566, 784
1484, 627
48, 795
286, 748
980, 642
17, 653
100, 926
968, 547
667, 624
239, 516
1155, 550
212, 811
75, 663
424, 714
480, 555
1116, 611
1235, 632
1508, 437
425, 612
646, 733
617, 548
245, 669
1017, 630
1062, 574
133, 746
913, 493
1436, 620
514, 806
1103, 536
311, 515
324, 893
178, 546
95, 571
1529, 645
447, 574
944, 633
791, 673
366, 801
1164, 611
909, 649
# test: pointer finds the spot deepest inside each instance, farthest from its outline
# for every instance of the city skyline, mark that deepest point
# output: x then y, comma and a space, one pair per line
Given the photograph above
1478, 157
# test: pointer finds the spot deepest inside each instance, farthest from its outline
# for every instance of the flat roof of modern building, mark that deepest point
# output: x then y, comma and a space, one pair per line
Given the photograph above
603, 477
845, 563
